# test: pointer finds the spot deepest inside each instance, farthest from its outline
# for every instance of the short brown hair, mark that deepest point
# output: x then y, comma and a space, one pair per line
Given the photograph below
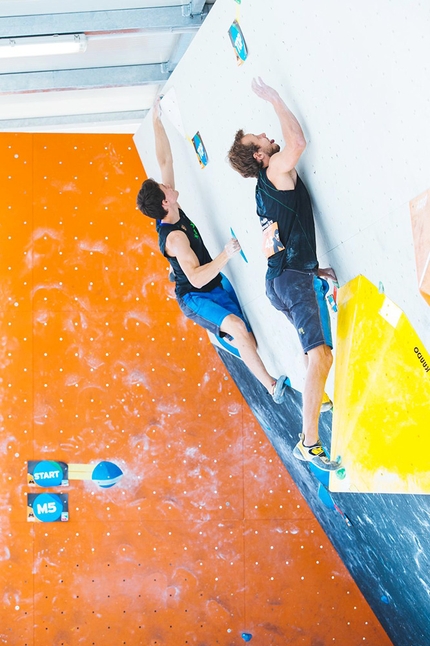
242, 158
150, 198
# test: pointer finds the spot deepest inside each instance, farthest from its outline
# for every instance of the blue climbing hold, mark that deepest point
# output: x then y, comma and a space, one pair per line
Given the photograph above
246, 637
322, 476
325, 497
385, 599
106, 474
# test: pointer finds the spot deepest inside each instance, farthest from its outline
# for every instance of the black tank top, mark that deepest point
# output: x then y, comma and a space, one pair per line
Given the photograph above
184, 224
292, 210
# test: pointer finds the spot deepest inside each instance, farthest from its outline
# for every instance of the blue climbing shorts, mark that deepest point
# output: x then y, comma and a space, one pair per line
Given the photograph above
209, 309
301, 297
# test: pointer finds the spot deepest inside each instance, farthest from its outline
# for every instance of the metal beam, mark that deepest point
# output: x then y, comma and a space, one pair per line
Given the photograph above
28, 124
82, 79
196, 7
180, 49
157, 19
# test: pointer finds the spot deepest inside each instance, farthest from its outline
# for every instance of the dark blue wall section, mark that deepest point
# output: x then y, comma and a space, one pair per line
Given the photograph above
384, 540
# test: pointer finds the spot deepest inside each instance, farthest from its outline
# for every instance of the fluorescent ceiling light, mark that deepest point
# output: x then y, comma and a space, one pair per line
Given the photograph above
42, 45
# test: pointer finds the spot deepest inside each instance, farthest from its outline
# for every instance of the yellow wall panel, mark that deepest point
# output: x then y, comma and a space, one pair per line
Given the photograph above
382, 395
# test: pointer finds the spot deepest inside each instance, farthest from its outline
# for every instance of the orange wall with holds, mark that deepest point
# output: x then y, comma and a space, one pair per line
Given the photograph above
205, 537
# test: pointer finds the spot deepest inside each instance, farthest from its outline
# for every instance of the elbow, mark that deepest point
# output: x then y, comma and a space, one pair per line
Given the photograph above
195, 282
194, 278
296, 149
300, 144
197, 279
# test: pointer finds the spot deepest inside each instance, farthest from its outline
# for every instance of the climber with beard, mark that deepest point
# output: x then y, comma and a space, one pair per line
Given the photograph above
295, 284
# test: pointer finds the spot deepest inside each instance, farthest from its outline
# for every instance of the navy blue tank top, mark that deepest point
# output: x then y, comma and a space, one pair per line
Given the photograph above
184, 224
292, 210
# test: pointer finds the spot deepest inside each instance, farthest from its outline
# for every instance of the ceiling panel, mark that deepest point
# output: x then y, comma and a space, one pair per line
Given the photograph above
31, 7
132, 48
92, 101
102, 51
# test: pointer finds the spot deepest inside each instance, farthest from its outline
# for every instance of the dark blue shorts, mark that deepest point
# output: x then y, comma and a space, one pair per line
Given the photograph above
209, 309
301, 297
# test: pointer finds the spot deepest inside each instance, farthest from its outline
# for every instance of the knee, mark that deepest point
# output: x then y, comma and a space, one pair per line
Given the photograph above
328, 357
234, 326
322, 355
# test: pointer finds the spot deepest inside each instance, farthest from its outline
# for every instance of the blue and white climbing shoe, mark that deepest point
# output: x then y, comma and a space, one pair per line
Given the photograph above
280, 389
315, 454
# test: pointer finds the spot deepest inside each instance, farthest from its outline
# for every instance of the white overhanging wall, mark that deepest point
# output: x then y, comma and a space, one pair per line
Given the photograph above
356, 76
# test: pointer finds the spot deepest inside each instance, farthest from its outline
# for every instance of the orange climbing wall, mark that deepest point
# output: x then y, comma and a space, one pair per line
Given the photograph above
205, 536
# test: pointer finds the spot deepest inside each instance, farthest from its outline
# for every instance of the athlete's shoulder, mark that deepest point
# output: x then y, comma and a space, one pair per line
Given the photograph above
282, 181
177, 241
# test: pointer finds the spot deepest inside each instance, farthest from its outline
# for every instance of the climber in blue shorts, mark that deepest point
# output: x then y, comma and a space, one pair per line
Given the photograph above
203, 293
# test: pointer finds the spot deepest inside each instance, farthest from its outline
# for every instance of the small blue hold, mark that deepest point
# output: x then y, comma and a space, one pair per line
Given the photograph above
106, 474
385, 599
246, 637
332, 302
